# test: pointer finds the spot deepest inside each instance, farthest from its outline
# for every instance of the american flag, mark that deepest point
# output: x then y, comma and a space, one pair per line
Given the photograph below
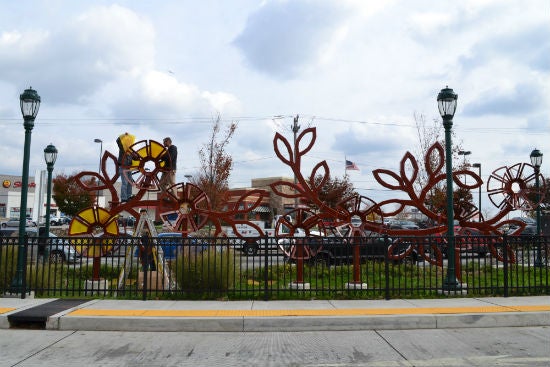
351, 166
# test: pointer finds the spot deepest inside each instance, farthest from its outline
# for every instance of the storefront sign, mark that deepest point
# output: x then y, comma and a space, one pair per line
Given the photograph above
17, 184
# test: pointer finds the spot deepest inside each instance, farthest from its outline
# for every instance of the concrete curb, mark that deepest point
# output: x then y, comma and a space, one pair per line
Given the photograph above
293, 323
291, 316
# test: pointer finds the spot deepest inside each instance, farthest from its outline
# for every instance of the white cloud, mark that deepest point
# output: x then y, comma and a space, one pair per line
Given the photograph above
282, 37
101, 69
429, 22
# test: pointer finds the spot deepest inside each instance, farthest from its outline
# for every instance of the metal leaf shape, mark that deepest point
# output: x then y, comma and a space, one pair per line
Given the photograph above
255, 195
82, 177
321, 169
408, 159
279, 186
310, 133
281, 140
462, 177
381, 176
435, 159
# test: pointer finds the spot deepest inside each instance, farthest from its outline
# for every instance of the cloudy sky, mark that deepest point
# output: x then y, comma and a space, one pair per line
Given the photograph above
356, 70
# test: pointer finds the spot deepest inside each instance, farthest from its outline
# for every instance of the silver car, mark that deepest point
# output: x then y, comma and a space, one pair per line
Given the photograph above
59, 249
14, 222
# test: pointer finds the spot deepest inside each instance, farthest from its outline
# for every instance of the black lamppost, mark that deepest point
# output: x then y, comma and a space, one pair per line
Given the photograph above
478, 165
295, 128
29, 101
536, 161
50, 156
446, 102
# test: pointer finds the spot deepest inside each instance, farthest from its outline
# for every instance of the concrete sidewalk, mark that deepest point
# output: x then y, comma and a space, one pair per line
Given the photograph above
243, 316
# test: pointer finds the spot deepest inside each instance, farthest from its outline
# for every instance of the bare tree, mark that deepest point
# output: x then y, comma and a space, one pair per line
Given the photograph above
428, 134
216, 163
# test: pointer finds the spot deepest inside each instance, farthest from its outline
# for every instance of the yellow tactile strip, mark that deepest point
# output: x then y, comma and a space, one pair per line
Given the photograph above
6, 309
306, 312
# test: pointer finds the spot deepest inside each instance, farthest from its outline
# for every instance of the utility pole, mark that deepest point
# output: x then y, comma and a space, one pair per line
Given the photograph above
295, 128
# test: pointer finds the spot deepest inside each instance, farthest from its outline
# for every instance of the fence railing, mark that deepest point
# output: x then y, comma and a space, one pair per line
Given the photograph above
268, 268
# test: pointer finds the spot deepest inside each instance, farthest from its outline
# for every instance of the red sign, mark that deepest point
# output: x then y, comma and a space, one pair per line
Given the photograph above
19, 184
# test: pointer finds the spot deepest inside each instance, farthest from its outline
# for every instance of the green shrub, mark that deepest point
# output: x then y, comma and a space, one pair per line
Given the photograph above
210, 271
85, 272
8, 265
44, 277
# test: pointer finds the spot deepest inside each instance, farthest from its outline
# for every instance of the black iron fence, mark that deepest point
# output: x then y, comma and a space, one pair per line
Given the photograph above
172, 267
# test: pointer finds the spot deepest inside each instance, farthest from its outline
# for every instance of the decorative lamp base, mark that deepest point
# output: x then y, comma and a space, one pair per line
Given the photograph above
299, 286
354, 285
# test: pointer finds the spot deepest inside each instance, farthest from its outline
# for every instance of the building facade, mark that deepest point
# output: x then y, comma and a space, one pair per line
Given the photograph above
270, 206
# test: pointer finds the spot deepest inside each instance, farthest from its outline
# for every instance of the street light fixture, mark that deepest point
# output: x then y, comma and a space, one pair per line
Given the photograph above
478, 166
29, 102
446, 102
536, 161
50, 156
99, 168
464, 153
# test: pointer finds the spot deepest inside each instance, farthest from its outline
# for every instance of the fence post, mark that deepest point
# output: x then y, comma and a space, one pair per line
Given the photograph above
266, 262
505, 260
299, 260
387, 266
145, 264
24, 270
356, 260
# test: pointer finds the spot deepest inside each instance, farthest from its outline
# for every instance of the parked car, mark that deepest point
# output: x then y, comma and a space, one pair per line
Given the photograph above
470, 241
59, 250
250, 246
526, 220
126, 221
335, 248
529, 230
14, 222
60, 221
403, 224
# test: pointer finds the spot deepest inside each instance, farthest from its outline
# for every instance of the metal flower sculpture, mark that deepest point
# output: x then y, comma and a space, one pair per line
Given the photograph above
302, 219
307, 190
184, 208
147, 163
511, 187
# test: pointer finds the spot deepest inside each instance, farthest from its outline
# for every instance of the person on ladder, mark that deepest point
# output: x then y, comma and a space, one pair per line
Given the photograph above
146, 255
170, 159
124, 142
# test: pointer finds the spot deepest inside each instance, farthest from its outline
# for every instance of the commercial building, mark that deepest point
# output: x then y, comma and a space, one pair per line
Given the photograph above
10, 198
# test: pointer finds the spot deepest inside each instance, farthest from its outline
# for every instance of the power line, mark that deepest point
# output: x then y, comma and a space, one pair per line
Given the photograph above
102, 121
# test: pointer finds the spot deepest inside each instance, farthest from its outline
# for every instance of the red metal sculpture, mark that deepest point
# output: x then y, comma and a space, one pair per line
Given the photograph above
185, 208
511, 185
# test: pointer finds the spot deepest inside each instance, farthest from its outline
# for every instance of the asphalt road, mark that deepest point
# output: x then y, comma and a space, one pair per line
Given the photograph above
520, 346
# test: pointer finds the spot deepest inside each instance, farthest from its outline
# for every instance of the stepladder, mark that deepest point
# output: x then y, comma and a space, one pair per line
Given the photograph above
152, 270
